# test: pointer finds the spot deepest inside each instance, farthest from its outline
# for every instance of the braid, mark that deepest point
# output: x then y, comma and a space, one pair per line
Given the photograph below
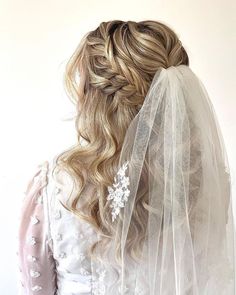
113, 72
116, 53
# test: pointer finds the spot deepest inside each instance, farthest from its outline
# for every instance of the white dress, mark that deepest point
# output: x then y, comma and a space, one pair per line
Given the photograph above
53, 241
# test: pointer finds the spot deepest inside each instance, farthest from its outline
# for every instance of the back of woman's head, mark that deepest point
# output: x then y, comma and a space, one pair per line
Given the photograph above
116, 64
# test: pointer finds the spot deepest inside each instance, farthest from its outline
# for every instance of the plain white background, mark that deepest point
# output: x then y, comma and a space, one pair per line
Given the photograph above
38, 37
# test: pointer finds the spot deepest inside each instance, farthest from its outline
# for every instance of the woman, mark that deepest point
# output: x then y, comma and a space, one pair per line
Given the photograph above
142, 203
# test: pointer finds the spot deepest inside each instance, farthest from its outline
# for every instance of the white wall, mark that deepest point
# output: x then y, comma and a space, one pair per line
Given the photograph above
36, 39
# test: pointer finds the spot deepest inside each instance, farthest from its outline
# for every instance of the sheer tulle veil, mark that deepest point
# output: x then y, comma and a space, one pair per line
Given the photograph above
171, 197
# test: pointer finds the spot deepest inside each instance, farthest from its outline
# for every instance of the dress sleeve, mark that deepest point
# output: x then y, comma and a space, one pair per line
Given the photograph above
36, 263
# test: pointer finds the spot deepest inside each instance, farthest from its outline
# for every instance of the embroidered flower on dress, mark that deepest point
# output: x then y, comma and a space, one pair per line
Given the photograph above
34, 274
34, 220
98, 283
119, 192
57, 214
31, 258
58, 237
32, 240
62, 255
39, 200
36, 288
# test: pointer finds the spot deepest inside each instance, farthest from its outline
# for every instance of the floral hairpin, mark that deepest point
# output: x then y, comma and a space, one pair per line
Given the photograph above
119, 193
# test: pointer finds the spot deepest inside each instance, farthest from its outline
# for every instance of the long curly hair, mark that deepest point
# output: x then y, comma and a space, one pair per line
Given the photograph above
115, 65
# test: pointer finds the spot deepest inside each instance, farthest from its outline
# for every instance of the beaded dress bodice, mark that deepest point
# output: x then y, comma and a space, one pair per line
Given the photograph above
53, 242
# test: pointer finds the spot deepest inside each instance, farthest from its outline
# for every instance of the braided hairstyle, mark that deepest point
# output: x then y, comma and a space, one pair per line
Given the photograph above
115, 64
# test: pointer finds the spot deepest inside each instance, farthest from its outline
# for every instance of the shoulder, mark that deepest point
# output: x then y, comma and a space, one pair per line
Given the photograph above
56, 184
39, 179
48, 187
44, 170
57, 178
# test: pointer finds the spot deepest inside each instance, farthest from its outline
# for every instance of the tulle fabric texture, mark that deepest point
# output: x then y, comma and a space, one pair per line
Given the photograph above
179, 209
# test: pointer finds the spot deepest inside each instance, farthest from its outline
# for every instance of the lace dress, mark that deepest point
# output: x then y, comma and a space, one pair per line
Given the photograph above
53, 242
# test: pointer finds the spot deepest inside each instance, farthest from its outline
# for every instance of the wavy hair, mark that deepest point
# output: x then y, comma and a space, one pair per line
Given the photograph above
115, 64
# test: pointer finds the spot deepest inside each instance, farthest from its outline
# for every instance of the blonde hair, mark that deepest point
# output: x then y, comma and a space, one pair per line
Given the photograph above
116, 63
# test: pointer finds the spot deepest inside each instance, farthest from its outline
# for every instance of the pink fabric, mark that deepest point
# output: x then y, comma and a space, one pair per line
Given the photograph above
36, 262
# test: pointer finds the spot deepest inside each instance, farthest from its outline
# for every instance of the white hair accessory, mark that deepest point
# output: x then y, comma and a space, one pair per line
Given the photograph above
119, 194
